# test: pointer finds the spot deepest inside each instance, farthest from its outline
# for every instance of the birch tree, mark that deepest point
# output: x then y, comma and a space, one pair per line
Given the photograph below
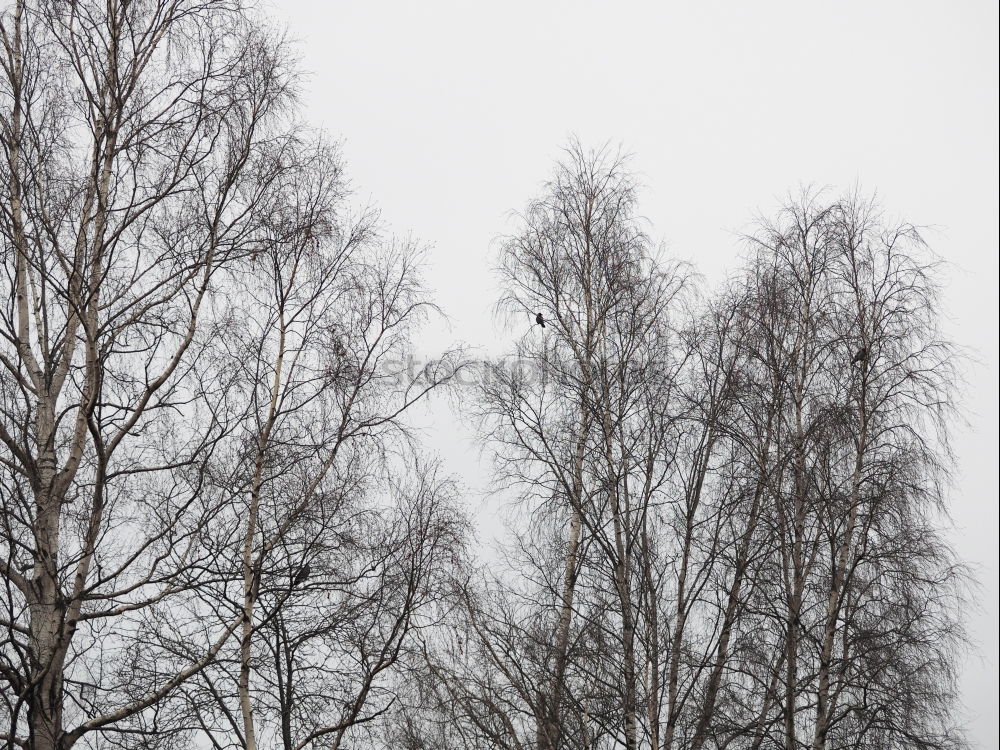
138, 146
728, 509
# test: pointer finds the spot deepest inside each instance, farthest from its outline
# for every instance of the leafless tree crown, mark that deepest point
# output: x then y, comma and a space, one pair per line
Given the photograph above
217, 529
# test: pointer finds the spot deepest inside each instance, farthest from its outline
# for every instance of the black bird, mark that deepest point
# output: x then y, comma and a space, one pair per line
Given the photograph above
540, 319
301, 576
860, 356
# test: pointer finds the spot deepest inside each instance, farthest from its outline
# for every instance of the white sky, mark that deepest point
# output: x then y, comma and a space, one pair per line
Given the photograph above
452, 113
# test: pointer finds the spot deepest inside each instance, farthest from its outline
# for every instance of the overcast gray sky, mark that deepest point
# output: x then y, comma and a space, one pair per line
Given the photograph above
451, 114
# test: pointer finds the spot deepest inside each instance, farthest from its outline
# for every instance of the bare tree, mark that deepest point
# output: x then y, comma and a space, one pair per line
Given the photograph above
194, 370
140, 139
582, 429
842, 309
322, 372
731, 539
216, 526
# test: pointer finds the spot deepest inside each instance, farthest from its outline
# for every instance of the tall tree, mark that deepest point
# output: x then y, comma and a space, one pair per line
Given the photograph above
139, 143
733, 504
194, 378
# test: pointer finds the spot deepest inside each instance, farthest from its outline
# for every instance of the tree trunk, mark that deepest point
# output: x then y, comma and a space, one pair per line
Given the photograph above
549, 737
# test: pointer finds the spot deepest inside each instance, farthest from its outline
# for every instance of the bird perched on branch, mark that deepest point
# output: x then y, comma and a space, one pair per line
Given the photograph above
860, 356
540, 319
302, 575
